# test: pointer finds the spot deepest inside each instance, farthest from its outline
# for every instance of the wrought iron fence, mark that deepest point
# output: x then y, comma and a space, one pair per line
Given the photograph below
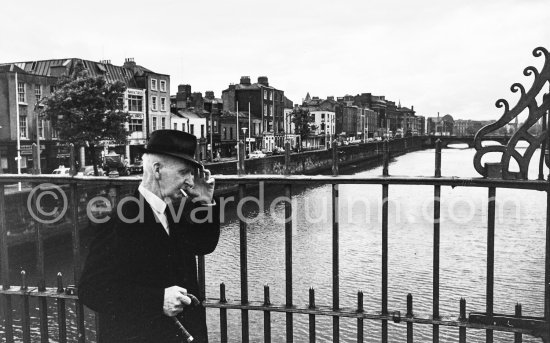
496, 176
487, 320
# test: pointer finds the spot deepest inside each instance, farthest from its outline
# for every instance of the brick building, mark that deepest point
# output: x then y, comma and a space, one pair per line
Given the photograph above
19, 93
147, 100
210, 108
266, 104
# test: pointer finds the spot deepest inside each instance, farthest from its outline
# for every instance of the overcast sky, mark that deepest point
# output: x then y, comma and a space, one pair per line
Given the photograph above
452, 57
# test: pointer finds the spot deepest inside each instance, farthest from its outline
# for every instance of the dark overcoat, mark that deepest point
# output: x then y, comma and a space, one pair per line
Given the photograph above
132, 260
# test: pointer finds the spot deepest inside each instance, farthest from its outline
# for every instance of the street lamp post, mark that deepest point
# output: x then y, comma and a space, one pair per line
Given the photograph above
37, 113
249, 130
238, 155
211, 140
18, 133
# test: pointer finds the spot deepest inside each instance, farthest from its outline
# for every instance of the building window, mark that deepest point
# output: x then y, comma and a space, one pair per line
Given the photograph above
265, 94
154, 103
163, 123
135, 103
154, 84
162, 85
265, 109
154, 123
41, 128
21, 92
202, 131
23, 126
163, 104
136, 125
224, 133
54, 132
271, 110
38, 92
270, 95
53, 89
175, 126
215, 122
230, 133
192, 131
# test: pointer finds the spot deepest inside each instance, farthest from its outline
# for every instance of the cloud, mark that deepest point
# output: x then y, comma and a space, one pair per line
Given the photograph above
454, 57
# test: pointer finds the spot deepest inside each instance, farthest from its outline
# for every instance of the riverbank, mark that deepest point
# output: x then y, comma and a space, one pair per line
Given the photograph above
319, 161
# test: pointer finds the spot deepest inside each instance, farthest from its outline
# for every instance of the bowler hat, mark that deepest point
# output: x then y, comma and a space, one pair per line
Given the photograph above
173, 143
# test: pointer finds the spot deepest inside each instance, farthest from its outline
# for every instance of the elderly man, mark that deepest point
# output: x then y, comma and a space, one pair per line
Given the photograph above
141, 271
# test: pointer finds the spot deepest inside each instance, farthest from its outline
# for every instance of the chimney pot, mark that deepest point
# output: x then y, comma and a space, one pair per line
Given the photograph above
245, 80
263, 80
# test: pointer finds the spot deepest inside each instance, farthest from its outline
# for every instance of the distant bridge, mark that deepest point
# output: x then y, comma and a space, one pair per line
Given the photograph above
446, 140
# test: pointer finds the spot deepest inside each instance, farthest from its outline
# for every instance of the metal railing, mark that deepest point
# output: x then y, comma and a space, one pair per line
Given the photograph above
487, 320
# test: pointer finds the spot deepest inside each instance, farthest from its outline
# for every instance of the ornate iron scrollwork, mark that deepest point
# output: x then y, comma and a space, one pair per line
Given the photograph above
528, 101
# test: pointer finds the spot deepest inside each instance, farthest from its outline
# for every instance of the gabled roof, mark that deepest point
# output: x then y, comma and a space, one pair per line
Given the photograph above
109, 71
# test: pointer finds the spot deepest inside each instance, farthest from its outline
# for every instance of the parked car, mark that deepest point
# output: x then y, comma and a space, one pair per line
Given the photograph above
89, 171
62, 170
257, 154
113, 162
278, 151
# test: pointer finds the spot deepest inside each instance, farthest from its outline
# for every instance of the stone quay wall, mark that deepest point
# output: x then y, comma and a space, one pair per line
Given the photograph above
319, 160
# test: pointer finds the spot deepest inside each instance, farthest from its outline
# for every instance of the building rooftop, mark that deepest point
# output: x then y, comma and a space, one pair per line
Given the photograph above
67, 66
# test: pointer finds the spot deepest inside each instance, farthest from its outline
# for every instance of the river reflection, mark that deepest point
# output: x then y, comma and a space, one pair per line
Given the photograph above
519, 253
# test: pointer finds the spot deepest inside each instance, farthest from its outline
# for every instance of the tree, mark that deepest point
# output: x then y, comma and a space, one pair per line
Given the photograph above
87, 111
303, 123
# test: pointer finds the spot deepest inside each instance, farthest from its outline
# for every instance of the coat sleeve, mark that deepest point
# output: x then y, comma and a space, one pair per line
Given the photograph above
199, 229
104, 285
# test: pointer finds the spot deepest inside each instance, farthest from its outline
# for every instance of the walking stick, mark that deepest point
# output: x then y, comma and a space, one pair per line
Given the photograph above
186, 334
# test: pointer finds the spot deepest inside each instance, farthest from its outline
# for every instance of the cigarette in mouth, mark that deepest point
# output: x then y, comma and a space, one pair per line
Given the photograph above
184, 194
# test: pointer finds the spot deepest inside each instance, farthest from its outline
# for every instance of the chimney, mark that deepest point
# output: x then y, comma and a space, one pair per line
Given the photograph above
209, 94
105, 61
263, 81
330, 98
183, 94
245, 80
184, 89
129, 63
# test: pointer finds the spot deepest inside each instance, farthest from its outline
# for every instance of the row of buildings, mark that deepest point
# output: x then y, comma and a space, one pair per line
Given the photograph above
256, 113
446, 125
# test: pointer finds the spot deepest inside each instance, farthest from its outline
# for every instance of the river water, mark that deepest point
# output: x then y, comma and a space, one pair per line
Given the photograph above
519, 253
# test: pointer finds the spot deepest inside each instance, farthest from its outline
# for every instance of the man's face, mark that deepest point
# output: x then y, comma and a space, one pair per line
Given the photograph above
176, 175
